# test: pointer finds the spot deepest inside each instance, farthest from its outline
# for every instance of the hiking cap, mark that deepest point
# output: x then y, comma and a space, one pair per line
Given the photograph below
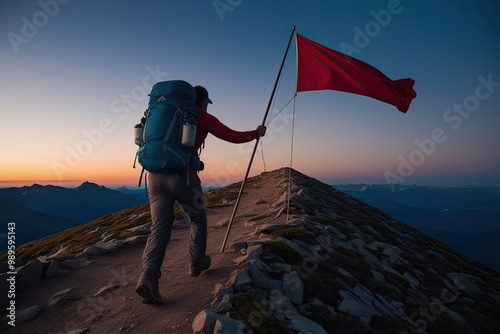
201, 94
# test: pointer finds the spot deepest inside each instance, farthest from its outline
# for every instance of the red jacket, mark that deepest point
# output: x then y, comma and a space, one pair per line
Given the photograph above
209, 123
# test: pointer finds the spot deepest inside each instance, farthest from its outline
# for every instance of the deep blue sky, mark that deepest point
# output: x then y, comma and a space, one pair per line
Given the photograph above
74, 76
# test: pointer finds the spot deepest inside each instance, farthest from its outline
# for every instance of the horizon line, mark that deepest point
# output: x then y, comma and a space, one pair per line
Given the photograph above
117, 185
15, 181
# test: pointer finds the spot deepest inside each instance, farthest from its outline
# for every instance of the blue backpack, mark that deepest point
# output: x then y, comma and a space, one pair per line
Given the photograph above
160, 133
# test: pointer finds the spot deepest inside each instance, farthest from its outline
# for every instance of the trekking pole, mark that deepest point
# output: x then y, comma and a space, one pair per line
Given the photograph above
256, 144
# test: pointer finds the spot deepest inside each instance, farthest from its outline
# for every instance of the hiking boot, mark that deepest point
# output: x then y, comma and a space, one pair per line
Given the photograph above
148, 290
197, 267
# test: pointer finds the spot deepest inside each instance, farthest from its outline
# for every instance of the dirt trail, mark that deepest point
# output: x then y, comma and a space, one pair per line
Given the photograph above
121, 310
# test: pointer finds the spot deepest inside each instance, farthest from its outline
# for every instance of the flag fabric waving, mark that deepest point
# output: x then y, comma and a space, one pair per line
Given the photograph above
319, 67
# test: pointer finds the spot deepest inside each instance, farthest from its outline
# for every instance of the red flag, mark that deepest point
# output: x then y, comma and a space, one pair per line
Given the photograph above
321, 68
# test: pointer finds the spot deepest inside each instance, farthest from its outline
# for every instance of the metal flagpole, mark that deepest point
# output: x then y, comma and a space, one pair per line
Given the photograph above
256, 144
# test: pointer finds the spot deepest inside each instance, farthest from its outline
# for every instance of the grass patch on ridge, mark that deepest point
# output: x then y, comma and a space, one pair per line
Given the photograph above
78, 238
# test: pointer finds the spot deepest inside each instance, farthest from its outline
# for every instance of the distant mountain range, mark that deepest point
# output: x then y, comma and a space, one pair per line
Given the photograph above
466, 218
39, 211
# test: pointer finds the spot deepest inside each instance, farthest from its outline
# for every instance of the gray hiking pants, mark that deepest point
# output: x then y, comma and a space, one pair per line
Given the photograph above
163, 191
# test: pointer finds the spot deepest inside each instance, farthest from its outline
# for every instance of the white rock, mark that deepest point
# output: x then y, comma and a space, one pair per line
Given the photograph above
344, 272
225, 325
412, 280
225, 304
54, 269
30, 274
204, 322
60, 297
136, 240
79, 330
462, 282
364, 294
72, 264
92, 250
378, 276
108, 288
357, 309
293, 287
110, 247
295, 247
280, 304
261, 279
240, 280
336, 232
223, 222
303, 325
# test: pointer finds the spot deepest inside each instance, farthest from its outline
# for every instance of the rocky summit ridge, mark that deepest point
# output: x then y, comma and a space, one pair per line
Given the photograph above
303, 258
340, 266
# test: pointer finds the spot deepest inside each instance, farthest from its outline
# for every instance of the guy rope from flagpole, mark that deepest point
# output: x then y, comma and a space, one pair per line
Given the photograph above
256, 144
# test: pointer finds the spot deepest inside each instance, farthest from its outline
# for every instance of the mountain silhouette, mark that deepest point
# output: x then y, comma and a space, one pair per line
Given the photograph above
466, 218
31, 225
302, 257
39, 210
431, 197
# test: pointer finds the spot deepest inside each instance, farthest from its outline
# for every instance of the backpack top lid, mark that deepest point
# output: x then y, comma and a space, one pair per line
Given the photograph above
176, 92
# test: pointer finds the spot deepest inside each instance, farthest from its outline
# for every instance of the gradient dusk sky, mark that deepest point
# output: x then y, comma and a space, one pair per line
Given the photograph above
74, 78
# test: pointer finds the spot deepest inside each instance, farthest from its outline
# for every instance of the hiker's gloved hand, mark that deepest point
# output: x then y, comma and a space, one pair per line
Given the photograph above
261, 131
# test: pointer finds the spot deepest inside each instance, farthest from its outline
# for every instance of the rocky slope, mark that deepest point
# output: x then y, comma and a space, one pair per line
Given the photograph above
332, 264
339, 265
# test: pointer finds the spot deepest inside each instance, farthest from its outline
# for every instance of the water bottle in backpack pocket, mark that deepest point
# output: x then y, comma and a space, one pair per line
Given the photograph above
188, 134
138, 134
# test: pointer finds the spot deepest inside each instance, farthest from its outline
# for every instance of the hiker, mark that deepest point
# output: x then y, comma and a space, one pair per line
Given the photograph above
165, 189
